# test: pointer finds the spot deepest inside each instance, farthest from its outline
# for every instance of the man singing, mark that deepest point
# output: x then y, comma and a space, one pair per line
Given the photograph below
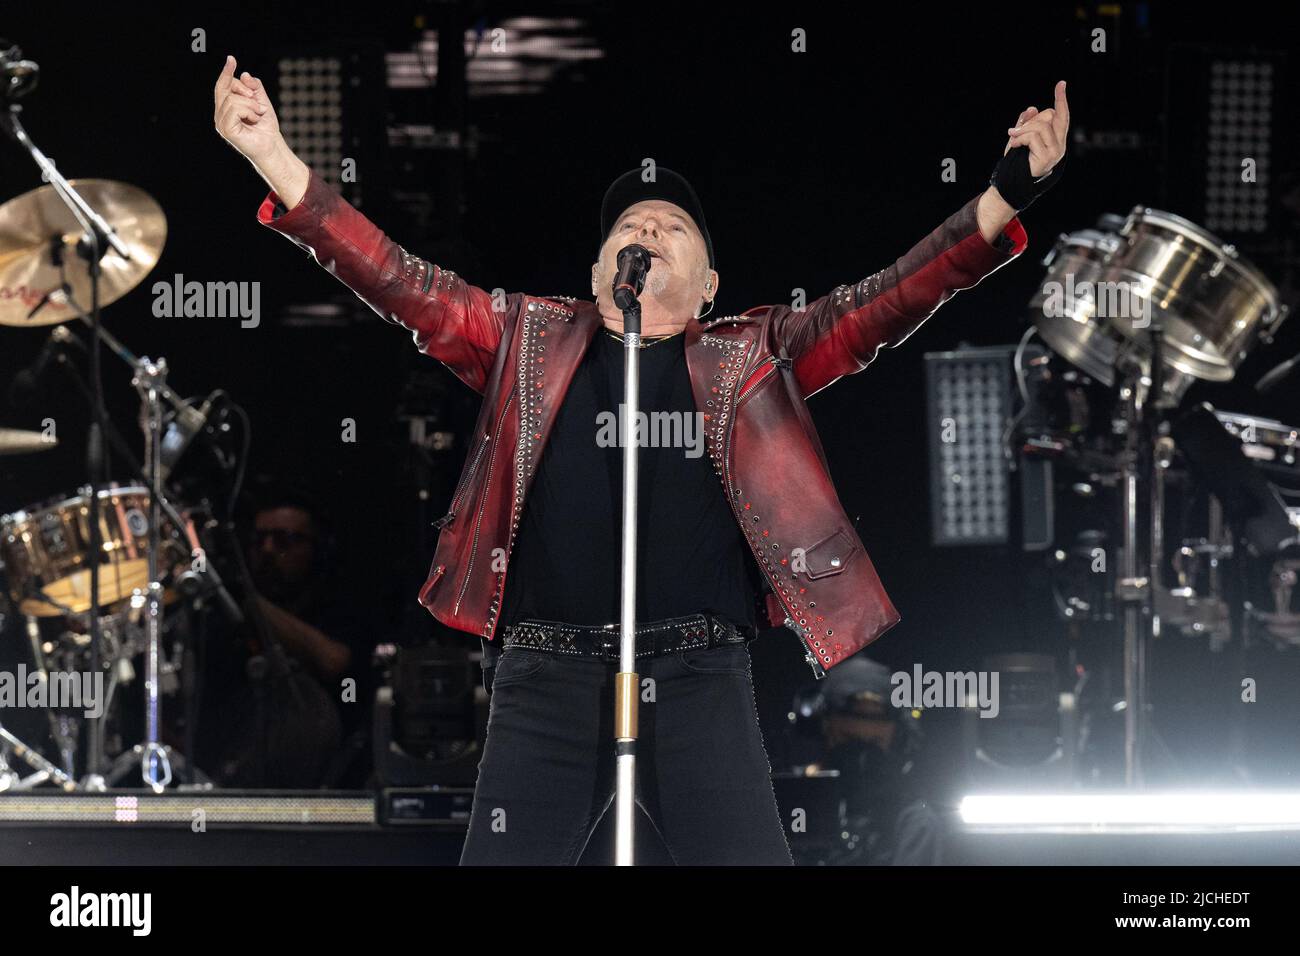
528, 553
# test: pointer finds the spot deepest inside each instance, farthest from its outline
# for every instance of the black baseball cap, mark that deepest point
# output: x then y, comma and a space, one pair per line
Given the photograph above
630, 189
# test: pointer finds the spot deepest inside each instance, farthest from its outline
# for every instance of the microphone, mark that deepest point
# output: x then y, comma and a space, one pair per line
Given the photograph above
23, 387
185, 424
629, 280
194, 584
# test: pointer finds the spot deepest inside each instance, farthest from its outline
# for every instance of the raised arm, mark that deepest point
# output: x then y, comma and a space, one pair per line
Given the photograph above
450, 320
841, 332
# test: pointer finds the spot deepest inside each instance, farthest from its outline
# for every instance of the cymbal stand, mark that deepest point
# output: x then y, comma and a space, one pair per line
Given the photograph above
97, 238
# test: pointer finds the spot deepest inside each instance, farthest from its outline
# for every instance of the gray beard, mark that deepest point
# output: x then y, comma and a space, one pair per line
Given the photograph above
656, 282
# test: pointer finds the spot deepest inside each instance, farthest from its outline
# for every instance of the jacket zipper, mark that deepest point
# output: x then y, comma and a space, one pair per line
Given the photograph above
756, 377
478, 520
761, 374
464, 485
772, 363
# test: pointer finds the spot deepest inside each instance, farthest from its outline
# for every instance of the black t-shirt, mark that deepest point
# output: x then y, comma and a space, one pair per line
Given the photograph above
692, 557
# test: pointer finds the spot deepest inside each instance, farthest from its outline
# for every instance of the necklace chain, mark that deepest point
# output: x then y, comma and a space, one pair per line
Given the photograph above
645, 343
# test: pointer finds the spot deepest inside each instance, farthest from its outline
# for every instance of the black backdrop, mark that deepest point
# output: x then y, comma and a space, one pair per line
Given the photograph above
814, 169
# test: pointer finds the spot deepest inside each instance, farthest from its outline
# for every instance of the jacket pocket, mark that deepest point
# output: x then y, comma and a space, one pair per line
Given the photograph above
756, 378
517, 664
726, 659
831, 555
435, 575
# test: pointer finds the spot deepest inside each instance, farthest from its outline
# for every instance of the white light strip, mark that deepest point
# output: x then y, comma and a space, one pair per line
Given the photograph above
1172, 810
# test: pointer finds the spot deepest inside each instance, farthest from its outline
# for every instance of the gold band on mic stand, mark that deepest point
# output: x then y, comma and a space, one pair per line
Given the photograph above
625, 705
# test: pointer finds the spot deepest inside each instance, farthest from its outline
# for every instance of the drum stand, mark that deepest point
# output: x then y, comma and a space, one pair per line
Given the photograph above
61, 731
9, 743
1139, 420
9, 779
150, 381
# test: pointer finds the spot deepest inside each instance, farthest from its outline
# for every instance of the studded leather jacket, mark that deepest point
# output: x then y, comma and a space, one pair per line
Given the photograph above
750, 374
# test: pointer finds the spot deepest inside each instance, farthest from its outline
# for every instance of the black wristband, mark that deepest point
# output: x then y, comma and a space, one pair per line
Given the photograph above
1014, 181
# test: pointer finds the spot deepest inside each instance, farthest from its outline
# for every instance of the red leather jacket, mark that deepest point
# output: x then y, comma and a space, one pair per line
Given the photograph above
750, 374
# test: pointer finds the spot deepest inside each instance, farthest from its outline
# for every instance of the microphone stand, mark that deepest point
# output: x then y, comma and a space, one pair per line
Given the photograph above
634, 262
97, 236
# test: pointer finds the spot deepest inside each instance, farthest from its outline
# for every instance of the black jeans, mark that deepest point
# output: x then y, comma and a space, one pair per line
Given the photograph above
546, 777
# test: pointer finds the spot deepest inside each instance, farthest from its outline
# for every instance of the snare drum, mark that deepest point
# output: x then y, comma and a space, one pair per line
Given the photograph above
1073, 330
46, 551
1212, 304
1073, 319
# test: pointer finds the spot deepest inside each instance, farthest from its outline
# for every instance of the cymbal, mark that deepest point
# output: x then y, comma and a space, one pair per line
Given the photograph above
14, 441
34, 224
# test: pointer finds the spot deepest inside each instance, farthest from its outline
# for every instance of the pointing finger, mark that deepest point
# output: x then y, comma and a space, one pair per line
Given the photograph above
1061, 119
223, 80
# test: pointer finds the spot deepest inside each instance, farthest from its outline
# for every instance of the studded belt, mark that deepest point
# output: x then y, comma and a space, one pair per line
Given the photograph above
654, 638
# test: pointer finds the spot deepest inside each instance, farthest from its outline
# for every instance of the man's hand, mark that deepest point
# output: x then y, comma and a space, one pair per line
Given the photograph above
244, 117
1044, 133
328, 658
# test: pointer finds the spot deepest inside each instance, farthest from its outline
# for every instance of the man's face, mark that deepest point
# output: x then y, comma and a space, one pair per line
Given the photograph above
679, 260
282, 550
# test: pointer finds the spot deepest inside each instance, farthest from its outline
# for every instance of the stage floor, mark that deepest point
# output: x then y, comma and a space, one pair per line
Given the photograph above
343, 828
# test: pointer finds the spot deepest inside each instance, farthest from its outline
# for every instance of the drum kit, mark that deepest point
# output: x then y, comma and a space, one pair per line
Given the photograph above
1202, 501
92, 573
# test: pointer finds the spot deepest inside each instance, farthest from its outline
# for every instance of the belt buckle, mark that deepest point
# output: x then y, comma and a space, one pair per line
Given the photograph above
717, 631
